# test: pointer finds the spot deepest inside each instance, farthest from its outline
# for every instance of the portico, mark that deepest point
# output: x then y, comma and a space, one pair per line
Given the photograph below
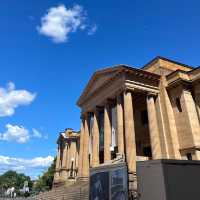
110, 112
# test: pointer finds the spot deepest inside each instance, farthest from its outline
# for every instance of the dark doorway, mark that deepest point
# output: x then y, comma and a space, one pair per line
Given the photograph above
147, 151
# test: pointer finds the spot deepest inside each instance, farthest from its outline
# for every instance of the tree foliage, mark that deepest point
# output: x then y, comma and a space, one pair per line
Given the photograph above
45, 181
13, 179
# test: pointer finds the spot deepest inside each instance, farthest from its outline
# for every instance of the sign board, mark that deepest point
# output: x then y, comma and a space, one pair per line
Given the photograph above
109, 182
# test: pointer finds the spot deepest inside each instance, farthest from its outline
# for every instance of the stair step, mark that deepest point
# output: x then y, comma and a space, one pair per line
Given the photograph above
76, 191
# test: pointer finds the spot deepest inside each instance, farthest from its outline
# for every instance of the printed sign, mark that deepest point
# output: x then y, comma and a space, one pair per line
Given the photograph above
109, 183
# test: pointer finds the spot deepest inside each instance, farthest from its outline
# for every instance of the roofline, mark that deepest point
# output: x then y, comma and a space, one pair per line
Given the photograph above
166, 59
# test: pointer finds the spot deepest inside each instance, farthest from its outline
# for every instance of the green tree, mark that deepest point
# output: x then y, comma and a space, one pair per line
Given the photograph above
14, 179
45, 182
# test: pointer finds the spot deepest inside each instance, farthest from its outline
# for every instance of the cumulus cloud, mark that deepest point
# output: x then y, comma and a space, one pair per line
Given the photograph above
10, 99
32, 167
19, 134
15, 133
60, 21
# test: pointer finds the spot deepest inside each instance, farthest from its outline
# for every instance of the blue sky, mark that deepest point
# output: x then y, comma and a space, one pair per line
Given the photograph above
46, 63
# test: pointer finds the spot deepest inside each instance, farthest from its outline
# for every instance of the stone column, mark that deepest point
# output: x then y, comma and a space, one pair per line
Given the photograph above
56, 175
171, 132
64, 162
197, 100
64, 158
80, 160
192, 117
120, 125
107, 133
58, 159
130, 142
68, 158
85, 166
95, 145
153, 128
73, 157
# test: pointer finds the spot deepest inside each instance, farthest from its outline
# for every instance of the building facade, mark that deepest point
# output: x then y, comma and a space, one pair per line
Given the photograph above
67, 157
140, 114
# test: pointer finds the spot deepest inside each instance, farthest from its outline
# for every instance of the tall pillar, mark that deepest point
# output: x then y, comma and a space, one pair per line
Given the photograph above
80, 160
107, 133
58, 158
64, 163
85, 166
95, 141
68, 158
56, 175
153, 128
120, 128
171, 136
129, 132
197, 100
191, 117
72, 158
64, 158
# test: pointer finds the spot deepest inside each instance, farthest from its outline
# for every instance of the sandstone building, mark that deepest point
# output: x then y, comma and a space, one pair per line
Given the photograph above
67, 157
137, 114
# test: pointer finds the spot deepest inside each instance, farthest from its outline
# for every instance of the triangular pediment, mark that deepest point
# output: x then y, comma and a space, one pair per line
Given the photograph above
98, 79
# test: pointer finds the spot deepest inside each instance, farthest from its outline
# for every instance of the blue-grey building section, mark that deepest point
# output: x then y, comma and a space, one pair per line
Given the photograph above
168, 180
109, 182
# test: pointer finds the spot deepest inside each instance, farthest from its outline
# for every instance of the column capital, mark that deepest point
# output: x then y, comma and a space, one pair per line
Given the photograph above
97, 109
127, 90
151, 94
85, 115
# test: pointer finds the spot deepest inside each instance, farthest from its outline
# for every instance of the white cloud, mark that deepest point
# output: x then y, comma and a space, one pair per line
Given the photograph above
19, 134
36, 133
60, 21
10, 99
32, 167
15, 133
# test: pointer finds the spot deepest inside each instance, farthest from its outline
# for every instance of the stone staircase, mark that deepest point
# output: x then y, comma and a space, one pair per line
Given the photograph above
76, 191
